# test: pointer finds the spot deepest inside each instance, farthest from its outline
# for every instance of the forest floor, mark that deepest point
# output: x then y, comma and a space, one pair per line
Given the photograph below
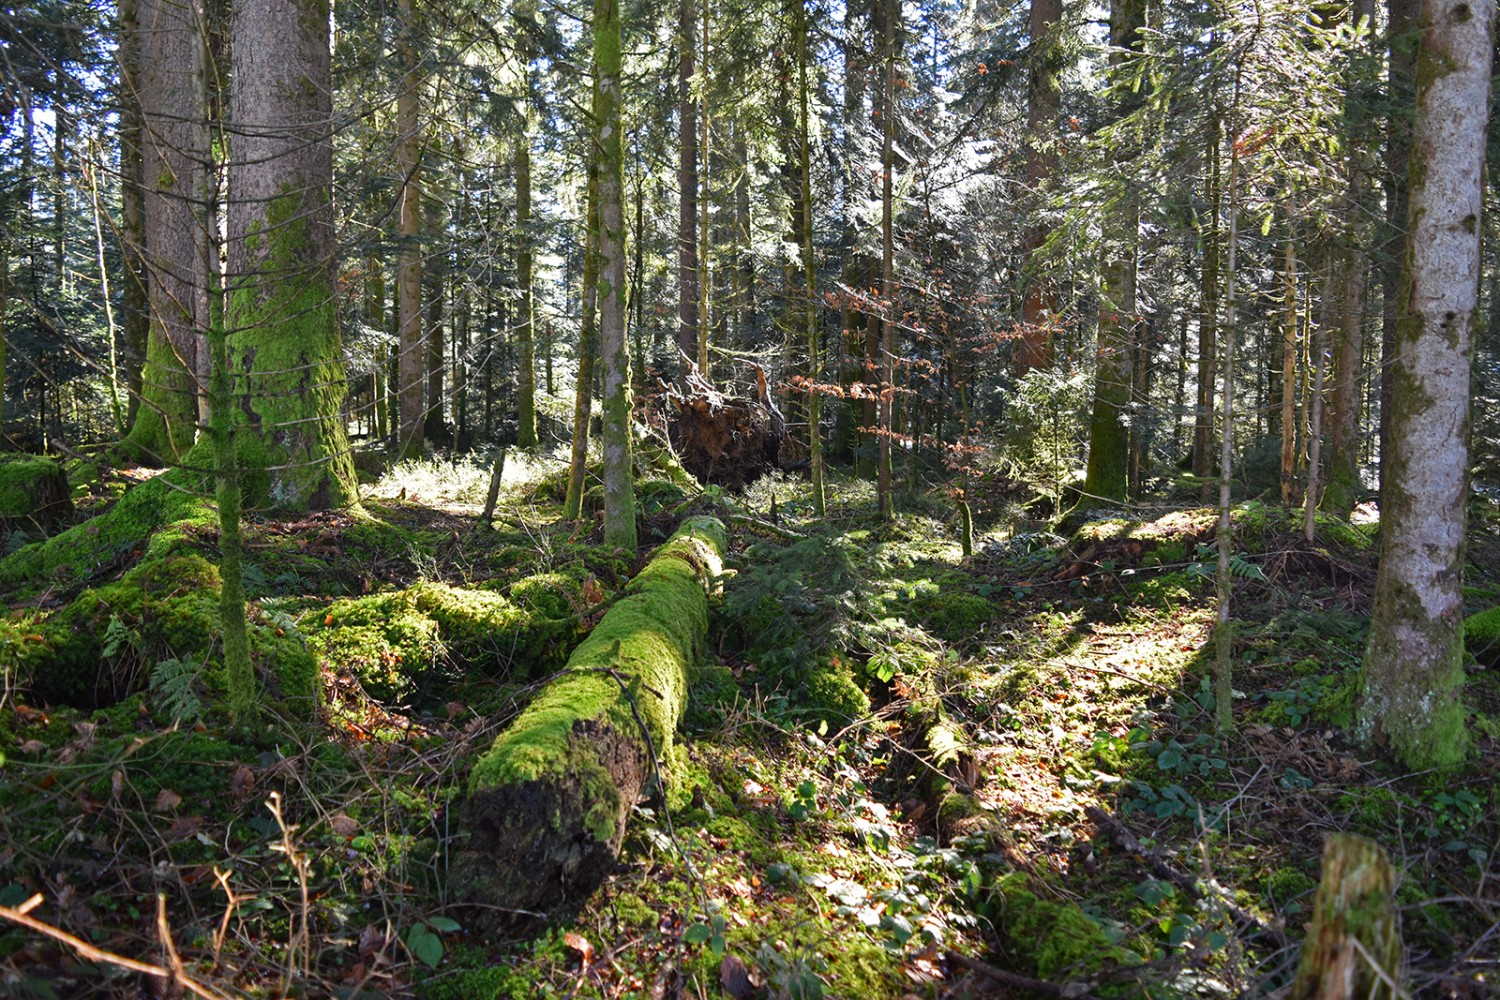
900, 766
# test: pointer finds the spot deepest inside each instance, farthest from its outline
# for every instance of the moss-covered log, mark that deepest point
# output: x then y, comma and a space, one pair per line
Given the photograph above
1353, 946
548, 803
32, 486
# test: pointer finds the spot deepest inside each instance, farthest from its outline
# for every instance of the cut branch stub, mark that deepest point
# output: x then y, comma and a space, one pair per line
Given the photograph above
1353, 946
548, 804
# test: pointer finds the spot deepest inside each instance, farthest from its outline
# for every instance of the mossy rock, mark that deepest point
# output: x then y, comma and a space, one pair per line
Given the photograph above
955, 616
33, 487
394, 641
829, 693
1482, 636
1058, 940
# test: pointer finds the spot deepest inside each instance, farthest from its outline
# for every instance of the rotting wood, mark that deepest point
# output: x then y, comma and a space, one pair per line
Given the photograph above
730, 441
1353, 944
548, 804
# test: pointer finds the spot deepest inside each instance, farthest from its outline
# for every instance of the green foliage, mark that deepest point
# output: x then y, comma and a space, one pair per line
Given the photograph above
175, 688
1482, 636
1045, 427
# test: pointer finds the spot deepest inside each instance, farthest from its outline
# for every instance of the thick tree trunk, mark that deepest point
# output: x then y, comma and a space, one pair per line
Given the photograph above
614, 351
283, 300
1413, 668
175, 164
1044, 99
549, 803
410, 367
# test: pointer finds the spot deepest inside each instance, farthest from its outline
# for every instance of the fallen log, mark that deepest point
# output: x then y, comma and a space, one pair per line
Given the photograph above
548, 804
33, 488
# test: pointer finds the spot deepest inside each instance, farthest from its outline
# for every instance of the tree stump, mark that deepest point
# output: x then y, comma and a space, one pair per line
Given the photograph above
33, 486
548, 803
1353, 945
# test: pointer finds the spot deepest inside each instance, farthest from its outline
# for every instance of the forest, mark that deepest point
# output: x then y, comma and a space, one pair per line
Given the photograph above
749, 498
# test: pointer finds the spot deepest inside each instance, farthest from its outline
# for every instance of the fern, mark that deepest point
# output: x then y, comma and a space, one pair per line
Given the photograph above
1238, 566
174, 687
117, 636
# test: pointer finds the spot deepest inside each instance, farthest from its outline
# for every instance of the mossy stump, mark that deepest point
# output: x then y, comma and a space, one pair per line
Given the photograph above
1482, 636
548, 804
33, 487
1353, 945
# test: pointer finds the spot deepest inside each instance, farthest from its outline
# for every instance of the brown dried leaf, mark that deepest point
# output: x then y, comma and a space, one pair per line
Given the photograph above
242, 784
32, 746
580, 944
343, 825
735, 978
167, 800
184, 827
371, 941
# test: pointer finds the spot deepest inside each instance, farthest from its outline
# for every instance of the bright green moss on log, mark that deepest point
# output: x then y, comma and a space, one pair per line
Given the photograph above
33, 486
549, 802
1058, 940
393, 641
1482, 636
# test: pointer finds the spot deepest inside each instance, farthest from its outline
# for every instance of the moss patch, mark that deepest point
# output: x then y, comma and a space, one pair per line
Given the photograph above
1482, 636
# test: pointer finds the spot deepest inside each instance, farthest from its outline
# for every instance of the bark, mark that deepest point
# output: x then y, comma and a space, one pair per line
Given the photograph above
1223, 581
1317, 386
1413, 667
175, 157
1044, 100
809, 270
1289, 377
1342, 485
1108, 440
1401, 21
588, 350
135, 320
549, 803
687, 184
286, 361
1354, 926
1208, 318
526, 325
614, 351
410, 366
883, 487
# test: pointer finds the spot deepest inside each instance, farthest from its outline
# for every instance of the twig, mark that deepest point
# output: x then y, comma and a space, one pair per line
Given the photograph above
785, 534
21, 915
1071, 990
1187, 883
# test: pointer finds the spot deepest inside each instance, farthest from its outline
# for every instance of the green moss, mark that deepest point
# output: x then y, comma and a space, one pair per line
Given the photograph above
1058, 940
1166, 590
1482, 636
830, 693
956, 617
32, 485
647, 639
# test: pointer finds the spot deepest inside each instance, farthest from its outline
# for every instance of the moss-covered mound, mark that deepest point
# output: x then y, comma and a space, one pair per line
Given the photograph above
393, 641
33, 486
1482, 636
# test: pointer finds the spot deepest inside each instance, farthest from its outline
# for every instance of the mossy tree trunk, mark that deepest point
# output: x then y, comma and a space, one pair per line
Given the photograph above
548, 804
410, 366
135, 309
174, 147
1354, 927
1109, 447
283, 335
1043, 102
619, 482
1413, 667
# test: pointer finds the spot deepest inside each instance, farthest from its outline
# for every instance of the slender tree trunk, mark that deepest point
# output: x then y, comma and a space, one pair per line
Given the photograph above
526, 327
1401, 34
1224, 582
619, 483
135, 309
1044, 101
409, 383
687, 184
1107, 473
809, 264
892, 13
588, 349
1315, 404
1208, 317
705, 276
1289, 376
1413, 667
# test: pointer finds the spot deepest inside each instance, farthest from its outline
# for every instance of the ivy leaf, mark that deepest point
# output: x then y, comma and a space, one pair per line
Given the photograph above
426, 946
696, 934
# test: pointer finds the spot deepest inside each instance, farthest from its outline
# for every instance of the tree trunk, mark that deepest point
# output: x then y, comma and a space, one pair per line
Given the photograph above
175, 164
411, 365
687, 185
549, 803
1289, 376
891, 13
1354, 924
1208, 318
809, 267
283, 299
526, 327
588, 349
1108, 445
1401, 21
1044, 100
1413, 667
619, 482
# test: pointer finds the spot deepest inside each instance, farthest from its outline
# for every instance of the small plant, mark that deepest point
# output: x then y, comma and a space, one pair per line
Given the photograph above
174, 686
